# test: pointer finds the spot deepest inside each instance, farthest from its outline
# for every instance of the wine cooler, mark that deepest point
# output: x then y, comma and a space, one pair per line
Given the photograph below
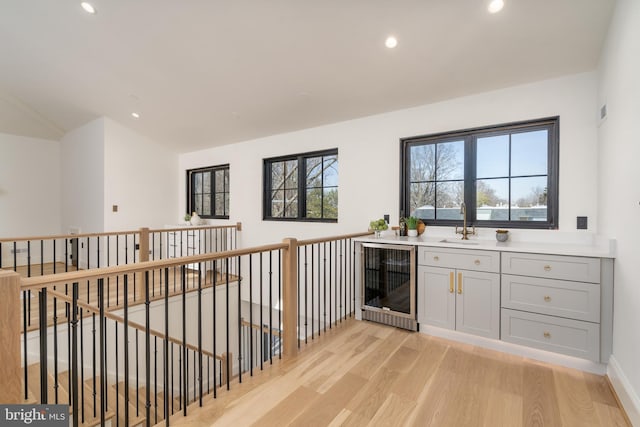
389, 284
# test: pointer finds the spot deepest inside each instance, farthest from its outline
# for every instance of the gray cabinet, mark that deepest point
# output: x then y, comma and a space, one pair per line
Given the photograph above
459, 290
554, 303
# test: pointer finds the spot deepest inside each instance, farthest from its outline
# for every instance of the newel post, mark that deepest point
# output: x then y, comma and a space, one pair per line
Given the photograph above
290, 297
10, 370
143, 255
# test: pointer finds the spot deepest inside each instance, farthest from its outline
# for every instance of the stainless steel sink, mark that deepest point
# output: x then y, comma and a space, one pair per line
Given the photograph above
459, 242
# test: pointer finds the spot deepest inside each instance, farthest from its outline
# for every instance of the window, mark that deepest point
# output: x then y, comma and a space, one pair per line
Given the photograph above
506, 175
302, 187
208, 191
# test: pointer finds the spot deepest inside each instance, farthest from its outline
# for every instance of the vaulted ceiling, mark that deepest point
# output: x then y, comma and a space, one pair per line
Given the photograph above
208, 72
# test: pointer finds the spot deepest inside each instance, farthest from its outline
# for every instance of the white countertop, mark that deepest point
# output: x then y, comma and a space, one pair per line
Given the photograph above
598, 248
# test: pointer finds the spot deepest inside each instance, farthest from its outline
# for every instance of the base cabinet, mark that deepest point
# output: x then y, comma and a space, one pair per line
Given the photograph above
462, 300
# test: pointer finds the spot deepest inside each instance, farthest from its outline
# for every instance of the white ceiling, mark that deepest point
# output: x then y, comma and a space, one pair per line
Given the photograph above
209, 72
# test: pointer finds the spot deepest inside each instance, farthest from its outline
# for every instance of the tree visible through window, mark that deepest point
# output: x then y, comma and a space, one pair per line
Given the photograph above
506, 176
208, 191
302, 186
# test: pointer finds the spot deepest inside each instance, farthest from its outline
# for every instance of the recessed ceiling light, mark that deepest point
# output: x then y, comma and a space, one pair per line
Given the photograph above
391, 42
135, 115
88, 7
496, 6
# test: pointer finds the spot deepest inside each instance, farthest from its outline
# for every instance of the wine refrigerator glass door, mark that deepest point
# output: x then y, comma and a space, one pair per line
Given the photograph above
388, 273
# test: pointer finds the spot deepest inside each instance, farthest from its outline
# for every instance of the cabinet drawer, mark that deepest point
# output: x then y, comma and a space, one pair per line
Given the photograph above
465, 259
574, 300
579, 269
566, 336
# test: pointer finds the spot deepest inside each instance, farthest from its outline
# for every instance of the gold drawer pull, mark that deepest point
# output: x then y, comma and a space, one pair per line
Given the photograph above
547, 268
476, 262
451, 279
459, 283
436, 258
547, 334
547, 298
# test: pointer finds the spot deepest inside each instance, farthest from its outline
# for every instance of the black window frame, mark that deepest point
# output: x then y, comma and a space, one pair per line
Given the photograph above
190, 176
301, 186
470, 136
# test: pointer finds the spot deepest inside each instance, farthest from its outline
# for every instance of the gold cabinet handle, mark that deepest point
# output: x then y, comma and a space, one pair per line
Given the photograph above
476, 262
547, 298
451, 279
547, 268
436, 258
547, 334
459, 283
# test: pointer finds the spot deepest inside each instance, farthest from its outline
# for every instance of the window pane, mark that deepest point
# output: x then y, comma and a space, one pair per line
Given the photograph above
449, 196
219, 181
277, 175
529, 153
226, 180
226, 204
492, 157
330, 205
206, 204
277, 203
291, 174
206, 182
423, 162
450, 160
291, 203
197, 183
220, 204
197, 203
330, 171
314, 172
492, 200
529, 199
423, 200
314, 203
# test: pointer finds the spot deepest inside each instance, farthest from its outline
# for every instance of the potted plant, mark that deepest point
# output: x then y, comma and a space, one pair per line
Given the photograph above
378, 226
412, 226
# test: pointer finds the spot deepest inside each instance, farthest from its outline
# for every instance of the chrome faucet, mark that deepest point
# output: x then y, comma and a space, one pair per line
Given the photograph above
465, 231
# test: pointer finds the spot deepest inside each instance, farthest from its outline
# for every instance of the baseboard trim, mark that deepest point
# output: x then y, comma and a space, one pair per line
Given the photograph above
625, 394
517, 349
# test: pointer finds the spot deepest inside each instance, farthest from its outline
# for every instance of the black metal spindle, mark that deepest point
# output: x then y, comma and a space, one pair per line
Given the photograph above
93, 355
74, 355
239, 325
215, 311
166, 347
24, 343
270, 307
200, 328
185, 359
147, 338
42, 257
251, 314
55, 348
28, 258
103, 351
43, 346
81, 385
228, 370
126, 349
261, 317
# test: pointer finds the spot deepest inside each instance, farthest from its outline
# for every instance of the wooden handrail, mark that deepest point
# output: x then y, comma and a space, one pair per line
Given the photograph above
265, 329
115, 233
95, 273
331, 239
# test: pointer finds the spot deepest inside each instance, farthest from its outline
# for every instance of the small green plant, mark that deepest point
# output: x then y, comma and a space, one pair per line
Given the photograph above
187, 217
378, 225
412, 222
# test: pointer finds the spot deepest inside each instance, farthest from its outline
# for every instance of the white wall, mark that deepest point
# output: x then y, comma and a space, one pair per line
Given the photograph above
29, 186
82, 178
619, 154
29, 193
369, 156
140, 177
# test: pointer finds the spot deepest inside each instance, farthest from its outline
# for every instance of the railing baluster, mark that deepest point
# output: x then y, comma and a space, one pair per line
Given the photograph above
55, 348
147, 346
93, 355
239, 325
261, 317
103, 351
226, 261
126, 350
43, 346
215, 326
250, 314
25, 341
200, 328
185, 354
74, 355
166, 349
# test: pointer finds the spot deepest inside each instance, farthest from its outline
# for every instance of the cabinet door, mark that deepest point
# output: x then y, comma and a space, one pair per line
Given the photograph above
478, 303
436, 297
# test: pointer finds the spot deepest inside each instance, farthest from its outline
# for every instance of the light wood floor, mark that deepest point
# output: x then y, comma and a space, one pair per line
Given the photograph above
365, 374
